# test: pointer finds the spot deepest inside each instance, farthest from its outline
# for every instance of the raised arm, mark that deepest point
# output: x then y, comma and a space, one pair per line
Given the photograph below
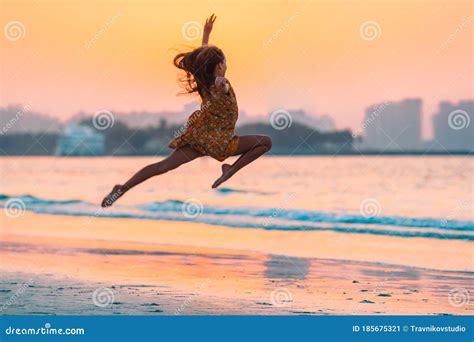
207, 29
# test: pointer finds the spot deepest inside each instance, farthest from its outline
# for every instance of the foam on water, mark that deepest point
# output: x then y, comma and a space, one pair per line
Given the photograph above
251, 217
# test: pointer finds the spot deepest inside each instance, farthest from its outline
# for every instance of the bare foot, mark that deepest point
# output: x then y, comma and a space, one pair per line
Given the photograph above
225, 175
114, 195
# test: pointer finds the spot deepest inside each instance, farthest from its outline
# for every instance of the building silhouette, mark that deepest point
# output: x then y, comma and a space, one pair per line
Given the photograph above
393, 126
453, 126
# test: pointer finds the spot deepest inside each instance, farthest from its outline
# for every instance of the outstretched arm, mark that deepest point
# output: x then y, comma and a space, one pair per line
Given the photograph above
207, 29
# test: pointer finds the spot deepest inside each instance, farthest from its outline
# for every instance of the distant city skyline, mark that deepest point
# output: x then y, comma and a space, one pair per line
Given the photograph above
387, 126
17, 118
316, 56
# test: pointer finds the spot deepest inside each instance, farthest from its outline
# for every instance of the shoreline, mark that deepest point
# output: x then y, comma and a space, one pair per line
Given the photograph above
188, 268
418, 252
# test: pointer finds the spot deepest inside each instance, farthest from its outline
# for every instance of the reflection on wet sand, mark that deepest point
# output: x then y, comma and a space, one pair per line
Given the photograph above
285, 268
163, 279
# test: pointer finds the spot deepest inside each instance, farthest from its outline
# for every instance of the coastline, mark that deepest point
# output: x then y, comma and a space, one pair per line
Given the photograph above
190, 268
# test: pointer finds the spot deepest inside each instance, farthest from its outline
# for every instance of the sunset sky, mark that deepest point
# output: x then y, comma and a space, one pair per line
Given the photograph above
76, 55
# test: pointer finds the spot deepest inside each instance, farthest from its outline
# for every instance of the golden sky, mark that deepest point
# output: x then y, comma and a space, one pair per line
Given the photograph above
71, 55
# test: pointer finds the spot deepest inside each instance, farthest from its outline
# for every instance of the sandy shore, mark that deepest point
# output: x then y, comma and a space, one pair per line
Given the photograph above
55, 264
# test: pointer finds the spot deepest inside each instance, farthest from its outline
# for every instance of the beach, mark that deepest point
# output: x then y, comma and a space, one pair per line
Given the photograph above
248, 250
177, 268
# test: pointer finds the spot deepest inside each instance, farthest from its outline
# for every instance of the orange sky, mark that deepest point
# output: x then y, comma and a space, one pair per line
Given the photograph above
117, 55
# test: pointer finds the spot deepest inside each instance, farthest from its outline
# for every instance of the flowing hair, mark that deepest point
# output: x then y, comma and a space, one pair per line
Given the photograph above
199, 66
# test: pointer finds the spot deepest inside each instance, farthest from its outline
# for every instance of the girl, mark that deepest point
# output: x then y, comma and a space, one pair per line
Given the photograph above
210, 130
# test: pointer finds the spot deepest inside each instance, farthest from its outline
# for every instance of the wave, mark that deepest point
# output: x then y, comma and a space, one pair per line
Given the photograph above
249, 217
240, 191
314, 216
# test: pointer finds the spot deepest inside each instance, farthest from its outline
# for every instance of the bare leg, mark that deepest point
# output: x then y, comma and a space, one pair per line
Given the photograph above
250, 148
178, 157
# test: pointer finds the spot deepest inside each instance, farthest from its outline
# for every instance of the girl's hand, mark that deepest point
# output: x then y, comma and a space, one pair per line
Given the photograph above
222, 84
209, 23
207, 29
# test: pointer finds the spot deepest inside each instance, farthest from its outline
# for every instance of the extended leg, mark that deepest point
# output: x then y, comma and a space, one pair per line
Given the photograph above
250, 148
178, 157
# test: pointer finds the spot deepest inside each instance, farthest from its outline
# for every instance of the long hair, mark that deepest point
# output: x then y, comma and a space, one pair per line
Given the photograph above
199, 66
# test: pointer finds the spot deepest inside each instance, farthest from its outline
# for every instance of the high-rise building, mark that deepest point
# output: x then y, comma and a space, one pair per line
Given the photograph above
454, 127
393, 126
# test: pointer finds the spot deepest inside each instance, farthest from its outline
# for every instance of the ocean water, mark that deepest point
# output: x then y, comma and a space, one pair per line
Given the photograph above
406, 196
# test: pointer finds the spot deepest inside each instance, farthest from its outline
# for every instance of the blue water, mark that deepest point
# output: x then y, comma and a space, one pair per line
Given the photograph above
250, 217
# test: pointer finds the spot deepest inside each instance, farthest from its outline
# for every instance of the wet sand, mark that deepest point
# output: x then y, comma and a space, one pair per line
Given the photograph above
77, 265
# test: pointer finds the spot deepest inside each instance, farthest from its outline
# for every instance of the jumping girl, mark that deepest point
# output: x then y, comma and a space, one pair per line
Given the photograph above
209, 130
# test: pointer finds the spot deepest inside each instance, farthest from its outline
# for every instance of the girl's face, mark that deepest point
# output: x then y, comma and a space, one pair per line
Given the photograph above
221, 68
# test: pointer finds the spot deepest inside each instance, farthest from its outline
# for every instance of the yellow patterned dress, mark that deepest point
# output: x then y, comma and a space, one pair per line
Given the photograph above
210, 130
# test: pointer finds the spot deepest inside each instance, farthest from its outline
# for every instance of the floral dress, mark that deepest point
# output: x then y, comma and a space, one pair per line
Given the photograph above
210, 130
